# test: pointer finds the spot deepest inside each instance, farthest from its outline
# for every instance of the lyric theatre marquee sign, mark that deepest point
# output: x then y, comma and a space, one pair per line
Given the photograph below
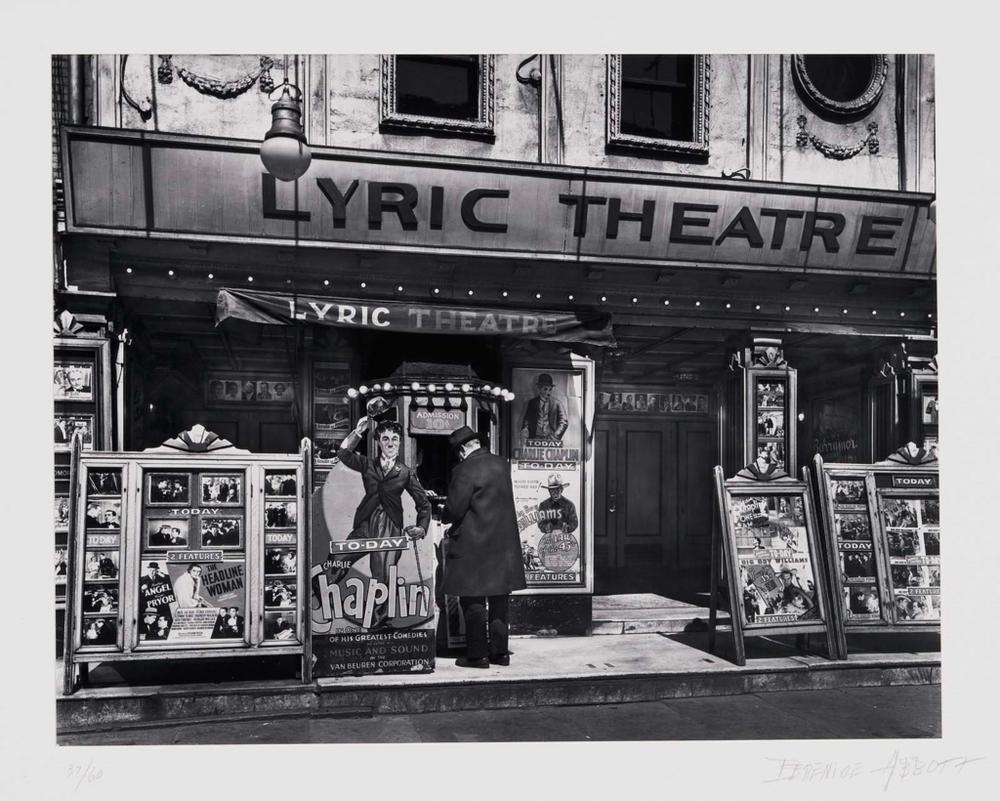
162, 186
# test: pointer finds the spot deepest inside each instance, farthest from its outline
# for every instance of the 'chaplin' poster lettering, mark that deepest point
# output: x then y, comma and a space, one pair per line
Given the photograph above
372, 594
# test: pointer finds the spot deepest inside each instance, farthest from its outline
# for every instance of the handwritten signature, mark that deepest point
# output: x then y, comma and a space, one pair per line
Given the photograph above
898, 768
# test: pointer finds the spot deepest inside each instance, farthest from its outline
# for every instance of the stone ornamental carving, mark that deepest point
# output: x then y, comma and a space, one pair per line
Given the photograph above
215, 87
837, 152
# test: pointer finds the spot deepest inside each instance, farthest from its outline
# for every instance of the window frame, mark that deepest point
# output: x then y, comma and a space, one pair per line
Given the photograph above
842, 109
697, 146
392, 120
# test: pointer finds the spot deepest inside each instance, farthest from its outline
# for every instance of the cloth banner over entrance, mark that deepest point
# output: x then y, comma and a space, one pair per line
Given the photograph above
277, 308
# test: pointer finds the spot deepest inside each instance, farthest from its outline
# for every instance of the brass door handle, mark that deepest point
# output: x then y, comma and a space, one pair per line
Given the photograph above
613, 502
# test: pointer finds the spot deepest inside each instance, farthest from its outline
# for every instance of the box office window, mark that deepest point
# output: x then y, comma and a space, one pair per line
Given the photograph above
442, 93
658, 103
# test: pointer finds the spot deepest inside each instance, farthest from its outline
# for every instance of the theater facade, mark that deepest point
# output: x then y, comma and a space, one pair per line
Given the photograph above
699, 261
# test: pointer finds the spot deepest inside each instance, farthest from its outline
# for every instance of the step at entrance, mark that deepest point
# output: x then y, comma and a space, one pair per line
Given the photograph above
643, 613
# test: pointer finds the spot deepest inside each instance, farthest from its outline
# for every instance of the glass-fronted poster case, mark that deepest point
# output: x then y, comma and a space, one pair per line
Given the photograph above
882, 523
775, 558
192, 582
192, 548
549, 471
768, 560
770, 419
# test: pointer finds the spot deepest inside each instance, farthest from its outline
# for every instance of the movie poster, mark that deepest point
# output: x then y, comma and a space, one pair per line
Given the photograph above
855, 550
548, 519
913, 534
547, 459
184, 601
372, 588
776, 567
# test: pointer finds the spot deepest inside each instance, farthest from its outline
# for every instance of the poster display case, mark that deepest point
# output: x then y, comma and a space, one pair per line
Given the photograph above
549, 426
189, 550
767, 554
81, 381
882, 529
760, 408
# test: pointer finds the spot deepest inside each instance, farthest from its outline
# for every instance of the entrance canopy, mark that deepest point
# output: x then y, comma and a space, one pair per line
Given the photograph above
278, 308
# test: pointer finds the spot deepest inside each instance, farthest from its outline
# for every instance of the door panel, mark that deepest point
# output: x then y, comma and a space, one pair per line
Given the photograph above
603, 501
644, 512
696, 458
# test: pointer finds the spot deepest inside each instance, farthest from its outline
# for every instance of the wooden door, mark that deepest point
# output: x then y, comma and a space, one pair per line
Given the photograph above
652, 504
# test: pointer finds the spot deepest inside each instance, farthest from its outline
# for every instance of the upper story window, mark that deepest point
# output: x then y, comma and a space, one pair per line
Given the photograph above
444, 93
840, 86
658, 103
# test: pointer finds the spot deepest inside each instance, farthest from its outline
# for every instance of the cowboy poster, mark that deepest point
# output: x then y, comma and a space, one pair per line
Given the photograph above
372, 594
548, 507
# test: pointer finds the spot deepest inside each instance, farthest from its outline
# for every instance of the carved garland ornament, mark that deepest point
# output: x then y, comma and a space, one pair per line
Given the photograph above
837, 152
213, 87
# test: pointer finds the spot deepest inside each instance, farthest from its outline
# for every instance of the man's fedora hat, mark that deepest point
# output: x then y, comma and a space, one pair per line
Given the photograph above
544, 380
460, 436
555, 480
377, 407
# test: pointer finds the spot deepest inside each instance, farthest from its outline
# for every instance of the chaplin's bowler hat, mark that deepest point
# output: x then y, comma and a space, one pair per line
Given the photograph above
460, 436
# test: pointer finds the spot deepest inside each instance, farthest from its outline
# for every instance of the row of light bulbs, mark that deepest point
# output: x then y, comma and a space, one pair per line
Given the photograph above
447, 388
400, 289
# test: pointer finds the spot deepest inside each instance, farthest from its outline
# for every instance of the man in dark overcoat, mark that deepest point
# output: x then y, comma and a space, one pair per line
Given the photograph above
484, 561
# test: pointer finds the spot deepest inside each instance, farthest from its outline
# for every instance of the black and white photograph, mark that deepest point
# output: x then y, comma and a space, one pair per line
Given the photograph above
280, 485
221, 490
900, 512
279, 593
770, 395
99, 631
280, 514
279, 626
562, 345
280, 561
852, 526
104, 482
73, 381
100, 598
221, 532
771, 424
68, 425
172, 532
103, 514
858, 564
248, 389
101, 565
903, 543
60, 513
229, 624
848, 491
168, 489
61, 566
862, 599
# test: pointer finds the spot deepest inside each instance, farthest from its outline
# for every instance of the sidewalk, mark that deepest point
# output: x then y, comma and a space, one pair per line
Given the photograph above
543, 672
